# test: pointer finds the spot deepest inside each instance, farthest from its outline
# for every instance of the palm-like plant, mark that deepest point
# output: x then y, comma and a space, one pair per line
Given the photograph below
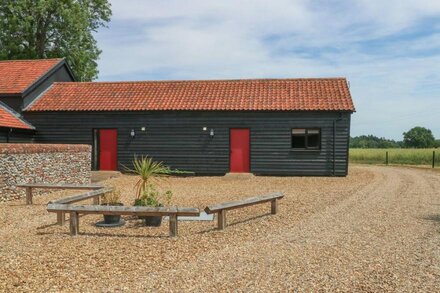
148, 170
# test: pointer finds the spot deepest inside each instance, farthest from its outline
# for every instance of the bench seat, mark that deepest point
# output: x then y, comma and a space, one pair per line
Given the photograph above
95, 194
30, 186
221, 208
75, 210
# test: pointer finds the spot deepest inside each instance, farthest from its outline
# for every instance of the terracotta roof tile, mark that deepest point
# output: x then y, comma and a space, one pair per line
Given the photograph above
327, 94
10, 119
18, 75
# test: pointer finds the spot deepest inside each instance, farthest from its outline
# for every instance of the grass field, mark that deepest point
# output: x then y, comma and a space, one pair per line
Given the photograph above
395, 156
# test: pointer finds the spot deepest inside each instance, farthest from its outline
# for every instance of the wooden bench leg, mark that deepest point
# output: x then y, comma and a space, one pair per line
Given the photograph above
173, 225
221, 219
273, 206
74, 223
96, 200
61, 218
28, 195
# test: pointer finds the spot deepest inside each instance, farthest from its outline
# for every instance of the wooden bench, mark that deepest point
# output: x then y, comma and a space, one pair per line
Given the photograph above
75, 210
221, 209
30, 186
95, 194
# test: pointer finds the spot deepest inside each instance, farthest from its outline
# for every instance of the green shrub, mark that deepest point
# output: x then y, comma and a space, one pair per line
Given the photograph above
153, 198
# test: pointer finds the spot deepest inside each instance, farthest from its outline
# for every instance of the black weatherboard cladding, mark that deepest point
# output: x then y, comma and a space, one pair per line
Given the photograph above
177, 138
15, 136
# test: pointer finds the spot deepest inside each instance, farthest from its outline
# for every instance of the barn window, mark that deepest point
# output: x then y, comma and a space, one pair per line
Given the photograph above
306, 138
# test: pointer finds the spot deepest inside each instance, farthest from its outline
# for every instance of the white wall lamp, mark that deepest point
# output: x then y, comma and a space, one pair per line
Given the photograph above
211, 131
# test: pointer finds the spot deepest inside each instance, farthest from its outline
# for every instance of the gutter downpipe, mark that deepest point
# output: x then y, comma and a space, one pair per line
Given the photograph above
334, 147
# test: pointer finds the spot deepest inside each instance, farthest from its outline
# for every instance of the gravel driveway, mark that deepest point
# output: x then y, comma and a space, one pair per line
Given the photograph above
383, 237
376, 230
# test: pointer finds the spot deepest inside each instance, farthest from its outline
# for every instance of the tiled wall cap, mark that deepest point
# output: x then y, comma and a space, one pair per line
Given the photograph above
20, 148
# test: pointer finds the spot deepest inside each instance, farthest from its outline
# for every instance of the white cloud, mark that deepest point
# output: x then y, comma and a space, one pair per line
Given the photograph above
391, 76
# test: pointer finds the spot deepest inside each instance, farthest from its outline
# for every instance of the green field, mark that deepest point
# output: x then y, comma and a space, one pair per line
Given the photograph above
395, 156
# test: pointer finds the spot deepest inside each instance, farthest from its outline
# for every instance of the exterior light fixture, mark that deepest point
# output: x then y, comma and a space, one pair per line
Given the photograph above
211, 133
205, 128
143, 128
132, 133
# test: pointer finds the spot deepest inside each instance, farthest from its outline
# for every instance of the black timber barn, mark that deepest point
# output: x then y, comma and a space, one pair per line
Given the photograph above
292, 127
267, 127
21, 81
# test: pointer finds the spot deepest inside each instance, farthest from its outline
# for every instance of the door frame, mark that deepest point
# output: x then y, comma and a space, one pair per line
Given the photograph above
95, 149
250, 148
96, 152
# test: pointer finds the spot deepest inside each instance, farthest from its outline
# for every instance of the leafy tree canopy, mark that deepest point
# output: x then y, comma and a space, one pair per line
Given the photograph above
371, 141
418, 137
37, 29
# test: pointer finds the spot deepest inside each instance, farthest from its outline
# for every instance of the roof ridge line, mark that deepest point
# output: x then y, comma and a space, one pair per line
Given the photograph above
29, 60
203, 80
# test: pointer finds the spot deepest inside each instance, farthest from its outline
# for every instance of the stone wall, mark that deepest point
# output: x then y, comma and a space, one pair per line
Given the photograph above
48, 163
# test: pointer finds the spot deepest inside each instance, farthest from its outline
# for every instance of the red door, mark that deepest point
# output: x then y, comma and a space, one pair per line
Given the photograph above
108, 149
239, 150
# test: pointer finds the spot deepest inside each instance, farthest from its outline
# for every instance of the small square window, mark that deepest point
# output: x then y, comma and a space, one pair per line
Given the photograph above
306, 138
298, 131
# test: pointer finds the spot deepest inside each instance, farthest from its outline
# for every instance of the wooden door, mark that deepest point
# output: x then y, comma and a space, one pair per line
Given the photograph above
239, 150
108, 149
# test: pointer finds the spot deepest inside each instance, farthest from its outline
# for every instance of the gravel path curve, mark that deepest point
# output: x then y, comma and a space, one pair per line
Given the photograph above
385, 237
376, 230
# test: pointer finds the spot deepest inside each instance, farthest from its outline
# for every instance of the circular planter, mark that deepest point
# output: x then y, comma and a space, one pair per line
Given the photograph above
104, 225
152, 221
112, 219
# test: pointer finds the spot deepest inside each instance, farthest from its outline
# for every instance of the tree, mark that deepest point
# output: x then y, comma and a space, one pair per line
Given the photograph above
371, 141
37, 29
418, 137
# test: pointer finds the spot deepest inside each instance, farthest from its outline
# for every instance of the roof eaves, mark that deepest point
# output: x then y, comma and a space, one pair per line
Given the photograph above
69, 69
353, 108
16, 115
37, 98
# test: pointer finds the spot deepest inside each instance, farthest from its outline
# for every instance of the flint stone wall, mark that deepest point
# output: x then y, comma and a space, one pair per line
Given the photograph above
47, 163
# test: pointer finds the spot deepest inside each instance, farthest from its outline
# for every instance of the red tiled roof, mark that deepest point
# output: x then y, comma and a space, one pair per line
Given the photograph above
328, 94
18, 75
10, 119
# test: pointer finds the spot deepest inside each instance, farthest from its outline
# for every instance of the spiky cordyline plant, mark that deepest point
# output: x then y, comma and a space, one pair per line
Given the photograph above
147, 170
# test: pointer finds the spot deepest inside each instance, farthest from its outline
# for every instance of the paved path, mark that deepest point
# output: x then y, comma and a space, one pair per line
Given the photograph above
385, 237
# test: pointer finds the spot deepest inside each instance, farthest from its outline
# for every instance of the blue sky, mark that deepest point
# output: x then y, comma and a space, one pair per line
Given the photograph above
388, 50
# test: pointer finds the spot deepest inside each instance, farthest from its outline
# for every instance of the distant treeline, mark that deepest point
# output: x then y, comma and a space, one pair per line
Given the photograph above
374, 142
417, 137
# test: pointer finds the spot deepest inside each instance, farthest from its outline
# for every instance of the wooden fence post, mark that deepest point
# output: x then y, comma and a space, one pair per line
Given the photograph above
221, 219
28, 195
61, 217
433, 159
74, 223
173, 225
386, 158
273, 206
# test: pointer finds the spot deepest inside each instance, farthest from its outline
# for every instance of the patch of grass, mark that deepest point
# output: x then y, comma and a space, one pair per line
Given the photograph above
395, 156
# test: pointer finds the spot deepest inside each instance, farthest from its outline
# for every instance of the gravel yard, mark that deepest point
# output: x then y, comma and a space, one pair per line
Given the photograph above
376, 230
